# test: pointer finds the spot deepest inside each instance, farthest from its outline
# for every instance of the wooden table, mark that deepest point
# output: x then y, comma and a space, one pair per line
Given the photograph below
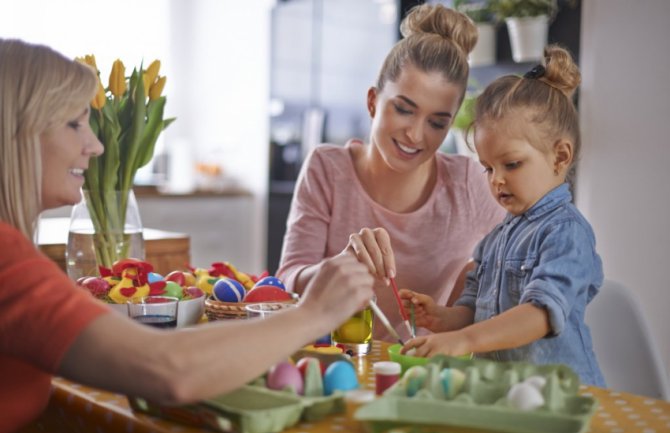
76, 408
166, 251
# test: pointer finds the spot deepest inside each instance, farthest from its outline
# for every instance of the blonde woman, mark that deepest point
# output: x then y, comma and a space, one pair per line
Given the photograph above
49, 326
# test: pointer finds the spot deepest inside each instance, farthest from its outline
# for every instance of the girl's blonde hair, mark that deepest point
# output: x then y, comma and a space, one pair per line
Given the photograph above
435, 39
39, 90
546, 92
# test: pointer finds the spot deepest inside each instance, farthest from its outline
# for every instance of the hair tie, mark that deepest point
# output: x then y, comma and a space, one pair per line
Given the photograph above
535, 73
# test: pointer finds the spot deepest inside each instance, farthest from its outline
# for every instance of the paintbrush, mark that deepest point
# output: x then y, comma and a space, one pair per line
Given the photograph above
385, 321
403, 312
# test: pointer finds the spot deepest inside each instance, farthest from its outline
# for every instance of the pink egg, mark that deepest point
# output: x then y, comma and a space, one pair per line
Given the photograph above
285, 375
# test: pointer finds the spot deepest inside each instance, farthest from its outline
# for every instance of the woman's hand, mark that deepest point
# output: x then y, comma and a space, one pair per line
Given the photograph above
340, 287
448, 343
372, 247
427, 314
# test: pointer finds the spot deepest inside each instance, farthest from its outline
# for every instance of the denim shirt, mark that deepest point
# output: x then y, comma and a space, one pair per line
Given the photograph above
547, 257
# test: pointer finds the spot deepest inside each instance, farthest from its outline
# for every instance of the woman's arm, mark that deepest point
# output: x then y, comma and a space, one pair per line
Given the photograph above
186, 365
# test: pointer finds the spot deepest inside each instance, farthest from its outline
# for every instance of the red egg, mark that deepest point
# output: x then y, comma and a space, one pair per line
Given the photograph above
304, 362
267, 293
97, 286
177, 277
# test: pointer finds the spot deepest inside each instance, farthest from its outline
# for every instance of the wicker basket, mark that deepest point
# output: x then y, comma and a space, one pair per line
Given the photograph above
218, 310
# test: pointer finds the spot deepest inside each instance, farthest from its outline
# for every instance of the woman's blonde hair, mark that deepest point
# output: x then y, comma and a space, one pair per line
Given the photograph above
39, 90
436, 39
546, 92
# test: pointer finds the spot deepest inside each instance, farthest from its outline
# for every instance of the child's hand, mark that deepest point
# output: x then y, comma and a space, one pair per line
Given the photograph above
426, 311
448, 343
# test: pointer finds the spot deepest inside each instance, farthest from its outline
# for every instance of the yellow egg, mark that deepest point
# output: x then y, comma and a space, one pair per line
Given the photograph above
355, 330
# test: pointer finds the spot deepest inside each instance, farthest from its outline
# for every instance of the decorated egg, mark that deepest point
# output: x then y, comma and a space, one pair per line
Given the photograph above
152, 277
192, 292
354, 329
228, 290
340, 375
206, 283
267, 293
525, 396
537, 381
173, 289
413, 379
270, 281
177, 277
285, 375
452, 381
97, 286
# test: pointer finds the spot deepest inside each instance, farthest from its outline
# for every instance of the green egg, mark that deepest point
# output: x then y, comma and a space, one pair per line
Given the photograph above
173, 289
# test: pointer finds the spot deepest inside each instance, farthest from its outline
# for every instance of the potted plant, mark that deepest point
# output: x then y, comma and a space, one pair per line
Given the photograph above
481, 14
528, 25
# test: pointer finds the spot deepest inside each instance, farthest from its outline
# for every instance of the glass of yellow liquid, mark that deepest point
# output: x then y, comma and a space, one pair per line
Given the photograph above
356, 333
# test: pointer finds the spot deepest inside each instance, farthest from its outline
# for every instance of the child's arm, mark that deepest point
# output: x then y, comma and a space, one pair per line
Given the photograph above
436, 318
515, 327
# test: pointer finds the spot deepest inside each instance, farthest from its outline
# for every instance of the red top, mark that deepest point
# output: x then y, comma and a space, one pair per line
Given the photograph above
41, 314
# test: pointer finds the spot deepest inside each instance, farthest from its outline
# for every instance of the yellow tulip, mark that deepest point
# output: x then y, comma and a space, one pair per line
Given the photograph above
99, 99
117, 79
150, 75
157, 88
88, 59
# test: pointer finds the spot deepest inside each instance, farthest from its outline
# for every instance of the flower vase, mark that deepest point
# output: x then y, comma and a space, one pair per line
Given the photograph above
104, 227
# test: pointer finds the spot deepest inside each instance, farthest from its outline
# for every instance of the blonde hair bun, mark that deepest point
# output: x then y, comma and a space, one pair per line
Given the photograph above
561, 72
444, 22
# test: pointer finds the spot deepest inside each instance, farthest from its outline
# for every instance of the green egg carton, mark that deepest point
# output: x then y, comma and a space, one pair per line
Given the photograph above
249, 409
481, 402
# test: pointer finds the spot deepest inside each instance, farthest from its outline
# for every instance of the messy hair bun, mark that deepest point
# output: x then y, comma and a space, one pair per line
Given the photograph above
436, 39
561, 72
441, 21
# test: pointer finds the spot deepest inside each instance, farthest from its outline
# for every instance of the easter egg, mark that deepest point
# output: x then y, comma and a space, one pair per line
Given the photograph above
270, 281
452, 381
312, 371
152, 277
340, 375
192, 292
267, 293
173, 289
97, 286
354, 330
413, 379
285, 375
524, 396
228, 290
177, 277
304, 362
206, 282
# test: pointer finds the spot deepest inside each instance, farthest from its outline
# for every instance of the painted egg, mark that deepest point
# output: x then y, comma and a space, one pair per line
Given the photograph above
270, 281
267, 293
413, 379
173, 289
285, 375
206, 283
340, 375
452, 381
152, 277
227, 290
355, 329
524, 396
537, 381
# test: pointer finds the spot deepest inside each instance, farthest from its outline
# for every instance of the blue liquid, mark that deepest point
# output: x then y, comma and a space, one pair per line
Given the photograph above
158, 321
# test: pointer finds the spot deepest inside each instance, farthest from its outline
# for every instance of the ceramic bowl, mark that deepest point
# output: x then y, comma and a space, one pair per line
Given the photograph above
189, 311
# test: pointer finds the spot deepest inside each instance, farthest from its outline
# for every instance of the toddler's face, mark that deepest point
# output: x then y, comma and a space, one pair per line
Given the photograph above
519, 173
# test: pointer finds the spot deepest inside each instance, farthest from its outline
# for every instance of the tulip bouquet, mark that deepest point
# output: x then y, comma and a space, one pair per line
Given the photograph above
127, 118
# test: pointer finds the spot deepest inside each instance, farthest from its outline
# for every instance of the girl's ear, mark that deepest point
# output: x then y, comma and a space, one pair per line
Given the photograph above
562, 155
372, 101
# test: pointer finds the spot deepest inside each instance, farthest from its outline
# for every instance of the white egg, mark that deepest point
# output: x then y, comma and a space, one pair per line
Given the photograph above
537, 381
524, 396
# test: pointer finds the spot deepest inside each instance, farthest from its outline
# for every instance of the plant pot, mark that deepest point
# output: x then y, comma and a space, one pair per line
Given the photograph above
528, 37
104, 227
484, 53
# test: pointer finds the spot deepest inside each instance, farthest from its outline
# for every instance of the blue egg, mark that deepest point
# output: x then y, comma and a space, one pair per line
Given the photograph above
227, 290
340, 375
324, 340
153, 277
270, 281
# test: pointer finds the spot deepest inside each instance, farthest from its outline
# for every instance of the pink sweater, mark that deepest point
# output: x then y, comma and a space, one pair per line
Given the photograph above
431, 245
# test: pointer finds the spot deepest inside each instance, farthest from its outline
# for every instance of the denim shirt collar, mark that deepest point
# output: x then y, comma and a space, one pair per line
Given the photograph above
551, 200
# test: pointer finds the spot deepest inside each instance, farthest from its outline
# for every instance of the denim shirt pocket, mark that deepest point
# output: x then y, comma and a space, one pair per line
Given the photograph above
517, 276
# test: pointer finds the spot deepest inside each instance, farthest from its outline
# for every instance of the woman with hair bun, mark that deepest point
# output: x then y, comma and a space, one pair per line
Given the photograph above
404, 209
535, 272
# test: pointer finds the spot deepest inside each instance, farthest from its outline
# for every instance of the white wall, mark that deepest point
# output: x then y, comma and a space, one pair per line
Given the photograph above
624, 177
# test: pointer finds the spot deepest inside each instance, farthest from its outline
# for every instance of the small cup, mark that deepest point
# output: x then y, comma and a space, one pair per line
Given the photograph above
386, 374
356, 333
266, 309
156, 311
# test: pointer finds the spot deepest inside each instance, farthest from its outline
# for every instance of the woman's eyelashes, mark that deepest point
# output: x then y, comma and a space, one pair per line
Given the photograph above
405, 112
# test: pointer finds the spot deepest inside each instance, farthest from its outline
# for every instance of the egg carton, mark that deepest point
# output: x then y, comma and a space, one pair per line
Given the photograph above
481, 401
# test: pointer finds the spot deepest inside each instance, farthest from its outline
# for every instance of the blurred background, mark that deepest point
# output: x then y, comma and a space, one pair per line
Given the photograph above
256, 84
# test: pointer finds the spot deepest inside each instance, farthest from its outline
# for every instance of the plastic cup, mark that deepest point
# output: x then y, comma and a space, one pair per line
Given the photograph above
156, 311
266, 309
386, 374
356, 333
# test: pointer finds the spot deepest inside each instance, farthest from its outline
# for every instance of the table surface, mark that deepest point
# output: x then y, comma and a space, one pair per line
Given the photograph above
76, 408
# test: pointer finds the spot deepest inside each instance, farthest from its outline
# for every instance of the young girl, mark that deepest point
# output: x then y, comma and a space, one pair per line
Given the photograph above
537, 270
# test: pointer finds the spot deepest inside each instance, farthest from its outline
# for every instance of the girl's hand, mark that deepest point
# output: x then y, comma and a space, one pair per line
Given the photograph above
372, 247
448, 343
426, 311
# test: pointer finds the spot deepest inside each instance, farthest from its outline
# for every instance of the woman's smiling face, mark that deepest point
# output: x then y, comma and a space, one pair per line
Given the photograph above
411, 117
66, 150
